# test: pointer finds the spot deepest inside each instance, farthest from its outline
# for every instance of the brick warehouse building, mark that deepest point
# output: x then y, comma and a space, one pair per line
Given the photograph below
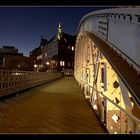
10, 59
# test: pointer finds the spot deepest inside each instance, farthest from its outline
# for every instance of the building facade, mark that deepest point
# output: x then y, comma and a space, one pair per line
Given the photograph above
7, 51
21, 63
58, 53
36, 56
10, 59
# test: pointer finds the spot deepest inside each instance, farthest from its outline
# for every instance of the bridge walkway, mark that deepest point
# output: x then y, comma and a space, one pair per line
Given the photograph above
55, 107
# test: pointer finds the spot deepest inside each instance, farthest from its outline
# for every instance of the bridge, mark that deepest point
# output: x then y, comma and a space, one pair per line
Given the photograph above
107, 66
107, 69
57, 106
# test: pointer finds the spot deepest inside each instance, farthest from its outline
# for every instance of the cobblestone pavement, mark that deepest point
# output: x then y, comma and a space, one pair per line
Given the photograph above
55, 107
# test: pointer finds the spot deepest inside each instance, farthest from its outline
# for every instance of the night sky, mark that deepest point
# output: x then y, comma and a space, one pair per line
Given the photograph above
22, 27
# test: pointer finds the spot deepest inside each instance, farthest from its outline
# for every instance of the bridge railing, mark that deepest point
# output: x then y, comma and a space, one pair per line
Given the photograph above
15, 81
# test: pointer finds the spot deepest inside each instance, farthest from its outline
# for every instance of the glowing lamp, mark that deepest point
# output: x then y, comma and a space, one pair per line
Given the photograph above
35, 65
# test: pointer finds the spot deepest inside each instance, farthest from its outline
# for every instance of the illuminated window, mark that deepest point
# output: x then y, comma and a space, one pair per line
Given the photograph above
68, 47
72, 48
39, 57
62, 63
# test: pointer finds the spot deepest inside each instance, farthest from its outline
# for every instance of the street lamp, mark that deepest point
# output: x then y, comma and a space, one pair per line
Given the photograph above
35, 65
47, 63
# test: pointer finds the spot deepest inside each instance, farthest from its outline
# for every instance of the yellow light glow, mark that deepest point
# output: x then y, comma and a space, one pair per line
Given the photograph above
35, 65
95, 97
47, 63
87, 97
115, 118
95, 106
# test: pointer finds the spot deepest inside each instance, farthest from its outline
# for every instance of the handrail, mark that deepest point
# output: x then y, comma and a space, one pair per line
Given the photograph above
15, 81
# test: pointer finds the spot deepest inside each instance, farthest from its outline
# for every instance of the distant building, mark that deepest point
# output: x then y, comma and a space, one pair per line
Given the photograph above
37, 57
21, 63
10, 59
7, 51
59, 52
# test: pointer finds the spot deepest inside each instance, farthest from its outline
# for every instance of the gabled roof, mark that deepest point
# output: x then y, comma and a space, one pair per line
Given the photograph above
54, 37
71, 39
43, 42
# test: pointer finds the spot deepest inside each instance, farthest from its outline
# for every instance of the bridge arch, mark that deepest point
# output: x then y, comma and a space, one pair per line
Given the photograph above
102, 80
